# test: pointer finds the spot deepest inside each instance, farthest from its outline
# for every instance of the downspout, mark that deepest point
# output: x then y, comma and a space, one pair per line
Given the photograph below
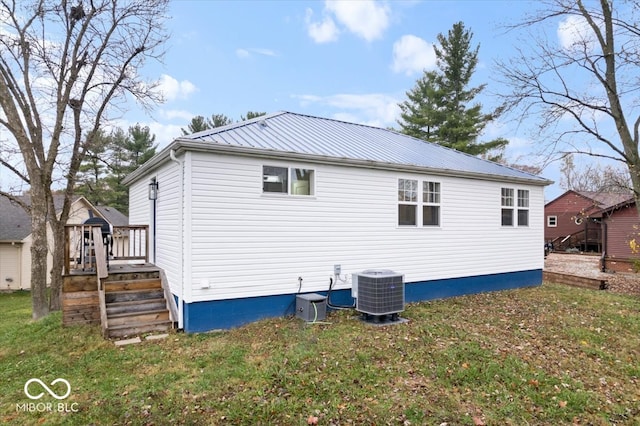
172, 155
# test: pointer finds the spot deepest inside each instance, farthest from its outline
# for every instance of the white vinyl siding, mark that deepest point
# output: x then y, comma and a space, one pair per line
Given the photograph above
244, 243
10, 267
169, 238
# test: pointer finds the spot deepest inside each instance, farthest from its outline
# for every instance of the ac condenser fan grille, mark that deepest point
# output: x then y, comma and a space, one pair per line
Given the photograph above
380, 292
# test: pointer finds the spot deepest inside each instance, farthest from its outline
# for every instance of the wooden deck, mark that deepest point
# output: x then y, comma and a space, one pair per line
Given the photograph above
80, 303
108, 281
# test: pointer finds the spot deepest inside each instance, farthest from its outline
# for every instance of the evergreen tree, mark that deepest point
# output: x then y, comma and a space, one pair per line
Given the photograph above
440, 107
251, 115
200, 123
113, 157
218, 120
94, 169
197, 124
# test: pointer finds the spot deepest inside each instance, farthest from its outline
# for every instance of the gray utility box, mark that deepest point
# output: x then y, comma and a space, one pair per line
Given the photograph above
311, 307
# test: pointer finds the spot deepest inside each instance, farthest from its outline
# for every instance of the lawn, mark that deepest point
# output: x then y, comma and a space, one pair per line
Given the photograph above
541, 356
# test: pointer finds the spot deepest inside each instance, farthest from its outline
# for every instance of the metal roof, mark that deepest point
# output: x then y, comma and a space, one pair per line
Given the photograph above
324, 139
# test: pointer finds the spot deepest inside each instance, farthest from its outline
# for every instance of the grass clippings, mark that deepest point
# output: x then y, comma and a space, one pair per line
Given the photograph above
539, 356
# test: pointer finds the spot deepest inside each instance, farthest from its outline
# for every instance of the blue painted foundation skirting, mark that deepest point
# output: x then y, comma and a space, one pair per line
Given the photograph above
222, 314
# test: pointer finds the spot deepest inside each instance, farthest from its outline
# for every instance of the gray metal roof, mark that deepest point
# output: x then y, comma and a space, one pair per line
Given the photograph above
328, 140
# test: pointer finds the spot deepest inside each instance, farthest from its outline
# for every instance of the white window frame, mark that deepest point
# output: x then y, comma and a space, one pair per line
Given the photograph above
290, 181
408, 196
523, 205
552, 221
431, 197
507, 204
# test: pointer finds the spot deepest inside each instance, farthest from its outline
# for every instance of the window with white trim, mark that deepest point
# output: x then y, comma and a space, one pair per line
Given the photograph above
507, 206
275, 179
407, 202
523, 207
431, 203
302, 181
288, 180
552, 221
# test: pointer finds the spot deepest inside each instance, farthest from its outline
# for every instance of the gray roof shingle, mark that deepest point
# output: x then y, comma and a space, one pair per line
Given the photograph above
15, 223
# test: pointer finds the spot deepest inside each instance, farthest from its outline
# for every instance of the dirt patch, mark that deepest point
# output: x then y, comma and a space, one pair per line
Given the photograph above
589, 266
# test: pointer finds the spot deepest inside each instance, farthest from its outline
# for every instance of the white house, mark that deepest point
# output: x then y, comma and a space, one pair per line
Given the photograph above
16, 238
253, 213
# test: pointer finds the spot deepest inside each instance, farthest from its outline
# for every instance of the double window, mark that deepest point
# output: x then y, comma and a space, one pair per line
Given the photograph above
288, 180
515, 208
410, 198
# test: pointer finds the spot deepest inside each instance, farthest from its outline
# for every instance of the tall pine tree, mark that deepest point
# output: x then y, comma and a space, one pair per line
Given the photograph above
111, 159
441, 109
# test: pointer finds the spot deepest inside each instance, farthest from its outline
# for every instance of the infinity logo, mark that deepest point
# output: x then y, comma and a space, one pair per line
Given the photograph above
52, 393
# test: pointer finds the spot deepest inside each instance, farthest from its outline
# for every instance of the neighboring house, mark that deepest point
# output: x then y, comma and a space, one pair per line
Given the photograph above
15, 237
250, 214
599, 222
621, 226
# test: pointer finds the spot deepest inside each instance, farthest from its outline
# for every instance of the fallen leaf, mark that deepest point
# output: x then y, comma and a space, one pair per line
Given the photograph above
477, 421
312, 420
562, 404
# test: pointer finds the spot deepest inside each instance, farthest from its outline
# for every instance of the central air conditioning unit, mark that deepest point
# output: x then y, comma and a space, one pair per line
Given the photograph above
378, 292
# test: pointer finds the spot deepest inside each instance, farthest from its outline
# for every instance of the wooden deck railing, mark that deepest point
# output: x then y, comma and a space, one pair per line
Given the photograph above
128, 244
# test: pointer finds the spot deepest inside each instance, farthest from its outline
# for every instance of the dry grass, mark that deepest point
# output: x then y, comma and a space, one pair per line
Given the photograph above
547, 355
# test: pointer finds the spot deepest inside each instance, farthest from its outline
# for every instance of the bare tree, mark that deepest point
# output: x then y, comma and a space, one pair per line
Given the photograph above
593, 177
581, 89
65, 70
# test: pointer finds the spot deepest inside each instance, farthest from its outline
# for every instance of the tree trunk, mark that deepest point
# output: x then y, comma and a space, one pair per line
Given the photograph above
39, 252
57, 266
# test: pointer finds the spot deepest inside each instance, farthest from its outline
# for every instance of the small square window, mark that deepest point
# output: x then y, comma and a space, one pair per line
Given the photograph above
523, 217
302, 181
430, 215
407, 214
552, 221
274, 179
507, 217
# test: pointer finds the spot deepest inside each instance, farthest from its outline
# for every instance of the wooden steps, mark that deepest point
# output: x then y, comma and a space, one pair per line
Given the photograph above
135, 305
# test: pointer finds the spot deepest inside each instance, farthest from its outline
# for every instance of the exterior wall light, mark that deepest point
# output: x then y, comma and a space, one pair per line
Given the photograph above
153, 189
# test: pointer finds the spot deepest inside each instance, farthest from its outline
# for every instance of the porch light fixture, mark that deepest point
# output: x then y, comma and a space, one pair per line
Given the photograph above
153, 189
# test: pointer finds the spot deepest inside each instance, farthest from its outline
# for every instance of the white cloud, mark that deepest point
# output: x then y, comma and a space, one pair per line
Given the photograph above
242, 53
172, 89
245, 53
575, 33
171, 114
165, 133
375, 109
366, 19
412, 55
321, 32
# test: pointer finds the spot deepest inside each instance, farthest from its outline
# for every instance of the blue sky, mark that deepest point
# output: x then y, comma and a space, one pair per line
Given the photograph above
350, 60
